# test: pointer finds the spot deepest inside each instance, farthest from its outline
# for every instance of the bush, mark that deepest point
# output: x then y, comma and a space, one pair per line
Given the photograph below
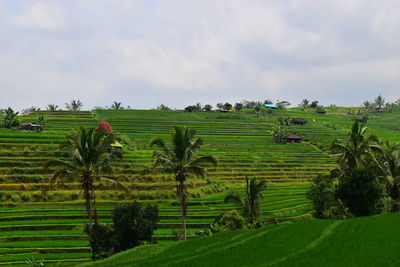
322, 195
362, 192
228, 221
133, 225
100, 239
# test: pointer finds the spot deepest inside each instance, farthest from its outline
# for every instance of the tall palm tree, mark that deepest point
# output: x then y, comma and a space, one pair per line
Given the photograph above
379, 101
179, 160
51, 107
87, 160
250, 203
353, 154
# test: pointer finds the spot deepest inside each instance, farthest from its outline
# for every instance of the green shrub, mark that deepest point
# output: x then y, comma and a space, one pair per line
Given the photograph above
322, 195
133, 225
362, 192
25, 196
100, 239
228, 221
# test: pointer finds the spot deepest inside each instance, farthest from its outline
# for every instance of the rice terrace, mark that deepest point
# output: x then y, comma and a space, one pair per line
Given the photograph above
199, 133
46, 220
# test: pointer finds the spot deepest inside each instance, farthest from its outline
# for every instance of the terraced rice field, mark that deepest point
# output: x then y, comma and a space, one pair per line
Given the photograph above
49, 223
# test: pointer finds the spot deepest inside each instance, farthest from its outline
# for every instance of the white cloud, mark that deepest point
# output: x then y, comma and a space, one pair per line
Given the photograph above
44, 15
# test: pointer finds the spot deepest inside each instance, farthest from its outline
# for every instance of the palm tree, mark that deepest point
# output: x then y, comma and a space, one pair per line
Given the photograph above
75, 105
279, 133
51, 107
10, 118
87, 160
178, 160
379, 101
117, 106
387, 159
250, 204
353, 154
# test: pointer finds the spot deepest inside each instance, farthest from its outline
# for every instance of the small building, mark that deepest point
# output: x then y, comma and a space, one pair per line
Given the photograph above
270, 106
321, 111
28, 126
191, 109
294, 138
298, 121
117, 147
361, 120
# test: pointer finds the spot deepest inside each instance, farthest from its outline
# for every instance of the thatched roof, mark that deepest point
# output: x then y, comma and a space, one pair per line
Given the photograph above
293, 136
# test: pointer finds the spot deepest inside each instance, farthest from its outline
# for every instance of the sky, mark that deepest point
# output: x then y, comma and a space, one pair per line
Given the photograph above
180, 52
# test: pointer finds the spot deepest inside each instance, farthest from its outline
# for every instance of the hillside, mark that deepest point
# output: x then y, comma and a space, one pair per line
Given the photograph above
367, 241
52, 221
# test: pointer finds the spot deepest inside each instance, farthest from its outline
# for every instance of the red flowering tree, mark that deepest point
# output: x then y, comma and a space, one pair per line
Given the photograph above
105, 126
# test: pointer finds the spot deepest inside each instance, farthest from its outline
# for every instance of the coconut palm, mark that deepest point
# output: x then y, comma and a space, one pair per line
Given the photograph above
117, 105
88, 158
74, 105
353, 154
279, 133
52, 107
10, 118
250, 203
387, 159
179, 160
379, 102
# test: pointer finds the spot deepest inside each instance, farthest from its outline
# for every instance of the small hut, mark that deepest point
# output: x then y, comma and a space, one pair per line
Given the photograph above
321, 111
116, 147
29, 126
294, 138
299, 121
361, 120
270, 106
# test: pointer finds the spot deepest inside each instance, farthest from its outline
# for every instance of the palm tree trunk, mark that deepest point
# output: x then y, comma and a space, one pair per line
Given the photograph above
183, 204
88, 204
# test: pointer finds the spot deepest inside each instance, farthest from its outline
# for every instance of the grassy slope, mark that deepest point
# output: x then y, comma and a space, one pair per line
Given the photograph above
368, 241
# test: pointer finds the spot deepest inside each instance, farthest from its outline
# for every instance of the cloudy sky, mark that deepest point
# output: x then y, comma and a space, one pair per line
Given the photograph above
145, 53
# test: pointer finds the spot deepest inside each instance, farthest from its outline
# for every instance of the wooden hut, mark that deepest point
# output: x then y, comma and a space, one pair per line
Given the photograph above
299, 121
294, 138
321, 111
28, 126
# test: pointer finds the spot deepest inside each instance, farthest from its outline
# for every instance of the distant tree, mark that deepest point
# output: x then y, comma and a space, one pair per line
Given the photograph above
268, 102
74, 105
314, 104
52, 107
207, 108
397, 102
238, 106
305, 102
250, 203
163, 107
279, 134
220, 106
227, 106
379, 102
10, 119
30, 110
198, 106
117, 106
228, 221
178, 160
283, 104
257, 110
41, 120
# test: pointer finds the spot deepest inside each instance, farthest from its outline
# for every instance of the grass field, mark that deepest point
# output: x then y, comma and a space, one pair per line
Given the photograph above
368, 241
52, 221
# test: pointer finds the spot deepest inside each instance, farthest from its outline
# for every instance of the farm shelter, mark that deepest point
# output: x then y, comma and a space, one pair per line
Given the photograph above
299, 121
116, 147
28, 126
294, 138
320, 111
361, 120
271, 106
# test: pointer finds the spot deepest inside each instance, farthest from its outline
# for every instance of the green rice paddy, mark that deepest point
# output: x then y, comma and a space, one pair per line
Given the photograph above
49, 223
